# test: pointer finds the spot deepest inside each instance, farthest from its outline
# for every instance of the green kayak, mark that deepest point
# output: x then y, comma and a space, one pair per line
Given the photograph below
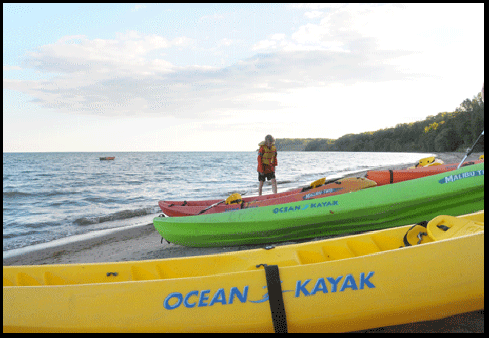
452, 193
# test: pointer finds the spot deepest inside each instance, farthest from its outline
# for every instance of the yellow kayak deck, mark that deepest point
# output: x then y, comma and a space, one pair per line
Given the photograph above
335, 285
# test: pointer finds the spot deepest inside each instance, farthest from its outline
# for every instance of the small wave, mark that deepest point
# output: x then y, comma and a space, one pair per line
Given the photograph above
18, 234
45, 175
57, 193
14, 194
41, 225
134, 182
125, 214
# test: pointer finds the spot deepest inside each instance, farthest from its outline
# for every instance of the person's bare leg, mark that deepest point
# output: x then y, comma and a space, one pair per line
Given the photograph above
274, 185
260, 186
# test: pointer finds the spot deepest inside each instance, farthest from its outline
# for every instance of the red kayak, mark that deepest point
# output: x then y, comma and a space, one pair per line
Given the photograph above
335, 188
393, 176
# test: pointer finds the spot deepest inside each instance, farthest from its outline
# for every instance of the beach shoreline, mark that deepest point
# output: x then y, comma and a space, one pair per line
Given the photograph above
144, 243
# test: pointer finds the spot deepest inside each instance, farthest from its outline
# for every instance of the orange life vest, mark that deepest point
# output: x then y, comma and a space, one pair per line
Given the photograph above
267, 156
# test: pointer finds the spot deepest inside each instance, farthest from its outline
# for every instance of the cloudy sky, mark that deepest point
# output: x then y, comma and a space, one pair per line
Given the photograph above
219, 77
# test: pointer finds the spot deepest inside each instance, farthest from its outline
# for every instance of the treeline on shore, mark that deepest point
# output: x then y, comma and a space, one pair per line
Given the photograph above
445, 132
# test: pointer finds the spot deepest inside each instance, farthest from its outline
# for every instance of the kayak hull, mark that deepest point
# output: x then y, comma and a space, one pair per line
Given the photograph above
456, 193
341, 186
382, 177
335, 285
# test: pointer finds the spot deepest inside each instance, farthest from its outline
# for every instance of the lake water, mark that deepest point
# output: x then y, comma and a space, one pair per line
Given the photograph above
68, 196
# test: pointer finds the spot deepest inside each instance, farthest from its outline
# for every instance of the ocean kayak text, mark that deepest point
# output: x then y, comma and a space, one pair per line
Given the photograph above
308, 287
304, 207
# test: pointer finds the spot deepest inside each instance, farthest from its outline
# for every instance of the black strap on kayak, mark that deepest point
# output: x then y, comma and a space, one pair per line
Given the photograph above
275, 298
423, 224
391, 173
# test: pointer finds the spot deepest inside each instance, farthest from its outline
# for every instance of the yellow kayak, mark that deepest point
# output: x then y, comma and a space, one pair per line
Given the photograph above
399, 275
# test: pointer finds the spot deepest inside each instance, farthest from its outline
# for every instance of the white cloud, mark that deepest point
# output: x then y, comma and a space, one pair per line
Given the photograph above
182, 41
111, 85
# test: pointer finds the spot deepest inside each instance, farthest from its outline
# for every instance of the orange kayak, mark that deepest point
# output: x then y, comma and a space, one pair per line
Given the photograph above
341, 186
382, 177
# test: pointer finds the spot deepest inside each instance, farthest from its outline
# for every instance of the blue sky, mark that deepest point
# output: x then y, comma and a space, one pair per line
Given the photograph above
219, 77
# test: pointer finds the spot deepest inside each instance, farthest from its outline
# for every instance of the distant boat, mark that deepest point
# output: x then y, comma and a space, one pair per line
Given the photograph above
106, 158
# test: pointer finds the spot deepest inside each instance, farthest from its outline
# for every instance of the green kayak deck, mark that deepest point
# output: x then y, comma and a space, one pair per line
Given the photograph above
452, 193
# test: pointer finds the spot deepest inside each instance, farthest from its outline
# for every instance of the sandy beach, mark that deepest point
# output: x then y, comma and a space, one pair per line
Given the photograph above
144, 242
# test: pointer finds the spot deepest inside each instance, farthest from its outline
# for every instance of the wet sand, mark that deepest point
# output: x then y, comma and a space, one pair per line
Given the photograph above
144, 242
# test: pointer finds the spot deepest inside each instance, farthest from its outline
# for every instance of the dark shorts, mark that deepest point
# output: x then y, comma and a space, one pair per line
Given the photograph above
269, 176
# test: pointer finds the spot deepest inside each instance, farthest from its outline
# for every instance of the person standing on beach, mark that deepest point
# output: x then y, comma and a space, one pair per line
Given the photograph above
267, 161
